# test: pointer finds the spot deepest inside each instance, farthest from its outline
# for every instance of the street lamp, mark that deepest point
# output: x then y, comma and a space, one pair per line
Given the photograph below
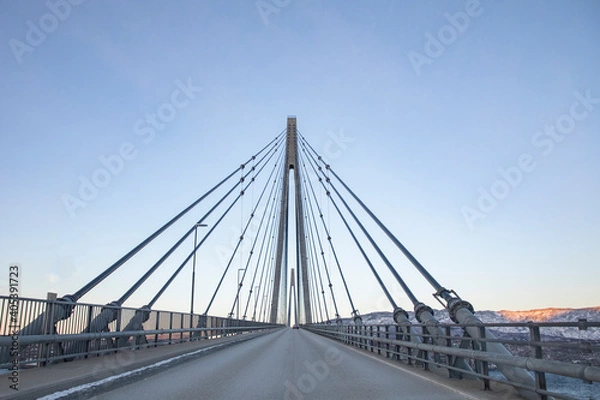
194, 267
255, 302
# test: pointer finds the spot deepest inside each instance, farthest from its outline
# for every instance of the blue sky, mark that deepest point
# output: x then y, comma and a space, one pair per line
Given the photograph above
425, 139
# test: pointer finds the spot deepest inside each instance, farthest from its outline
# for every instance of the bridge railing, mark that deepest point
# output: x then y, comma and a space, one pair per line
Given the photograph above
31, 334
575, 357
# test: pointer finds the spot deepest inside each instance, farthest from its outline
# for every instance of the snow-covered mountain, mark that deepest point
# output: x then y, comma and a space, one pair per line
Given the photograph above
552, 314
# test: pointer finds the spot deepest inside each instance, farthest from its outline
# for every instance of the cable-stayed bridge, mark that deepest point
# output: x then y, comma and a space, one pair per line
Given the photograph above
295, 274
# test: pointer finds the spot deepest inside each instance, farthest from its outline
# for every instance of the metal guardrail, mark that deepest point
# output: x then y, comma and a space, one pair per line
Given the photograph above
531, 349
30, 337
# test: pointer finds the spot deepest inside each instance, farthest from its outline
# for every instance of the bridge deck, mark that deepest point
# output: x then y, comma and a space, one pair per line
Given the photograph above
37, 382
286, 364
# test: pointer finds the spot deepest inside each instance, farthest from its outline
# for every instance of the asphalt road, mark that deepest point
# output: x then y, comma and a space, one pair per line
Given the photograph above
287, 364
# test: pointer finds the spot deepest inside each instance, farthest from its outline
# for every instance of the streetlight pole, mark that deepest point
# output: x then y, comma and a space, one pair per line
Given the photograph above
255, 302
194, 268
239, 289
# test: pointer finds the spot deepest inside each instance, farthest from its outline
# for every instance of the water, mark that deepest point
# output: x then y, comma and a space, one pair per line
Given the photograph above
569, 386
573, 387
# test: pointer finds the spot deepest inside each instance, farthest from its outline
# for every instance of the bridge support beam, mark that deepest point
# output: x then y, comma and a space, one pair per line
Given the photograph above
98, 324
462, 312
279, 297
424, 315
136, 323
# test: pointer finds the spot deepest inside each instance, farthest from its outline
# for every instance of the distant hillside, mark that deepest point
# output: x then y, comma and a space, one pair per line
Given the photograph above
511, 333
552, 314
504, 316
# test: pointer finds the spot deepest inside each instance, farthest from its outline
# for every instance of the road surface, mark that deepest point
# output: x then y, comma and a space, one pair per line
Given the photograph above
288, 364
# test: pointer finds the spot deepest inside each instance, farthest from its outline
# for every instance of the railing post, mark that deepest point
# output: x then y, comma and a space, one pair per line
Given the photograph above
387, 344
363, 337
348, 331
408, 348
182, 326
170, 326
426, 339
378, 342
397, 346
449, 358
371, 338
540, 377
50, 329
44, 350
157, 326
351, 329
88, 343
119, 317
484, 364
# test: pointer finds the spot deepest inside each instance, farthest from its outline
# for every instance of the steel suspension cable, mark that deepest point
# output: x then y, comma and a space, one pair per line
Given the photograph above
362, 251
173, 248
309, 221
238, 243
264, 240
316, 269
357, 242
267, 259
313, 275
313, 227
432, 281
178, 270
387, 262
94, 282
255, 289
266, 267
249, 259
269, 283
185, 236
332, 247
302, 274
314, 295
318, 279
174, 275
268, 288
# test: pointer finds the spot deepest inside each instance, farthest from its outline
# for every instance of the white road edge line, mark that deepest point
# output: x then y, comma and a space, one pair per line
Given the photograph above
63, 393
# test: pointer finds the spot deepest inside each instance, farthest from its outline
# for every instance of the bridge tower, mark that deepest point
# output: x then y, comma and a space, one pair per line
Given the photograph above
279, 295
